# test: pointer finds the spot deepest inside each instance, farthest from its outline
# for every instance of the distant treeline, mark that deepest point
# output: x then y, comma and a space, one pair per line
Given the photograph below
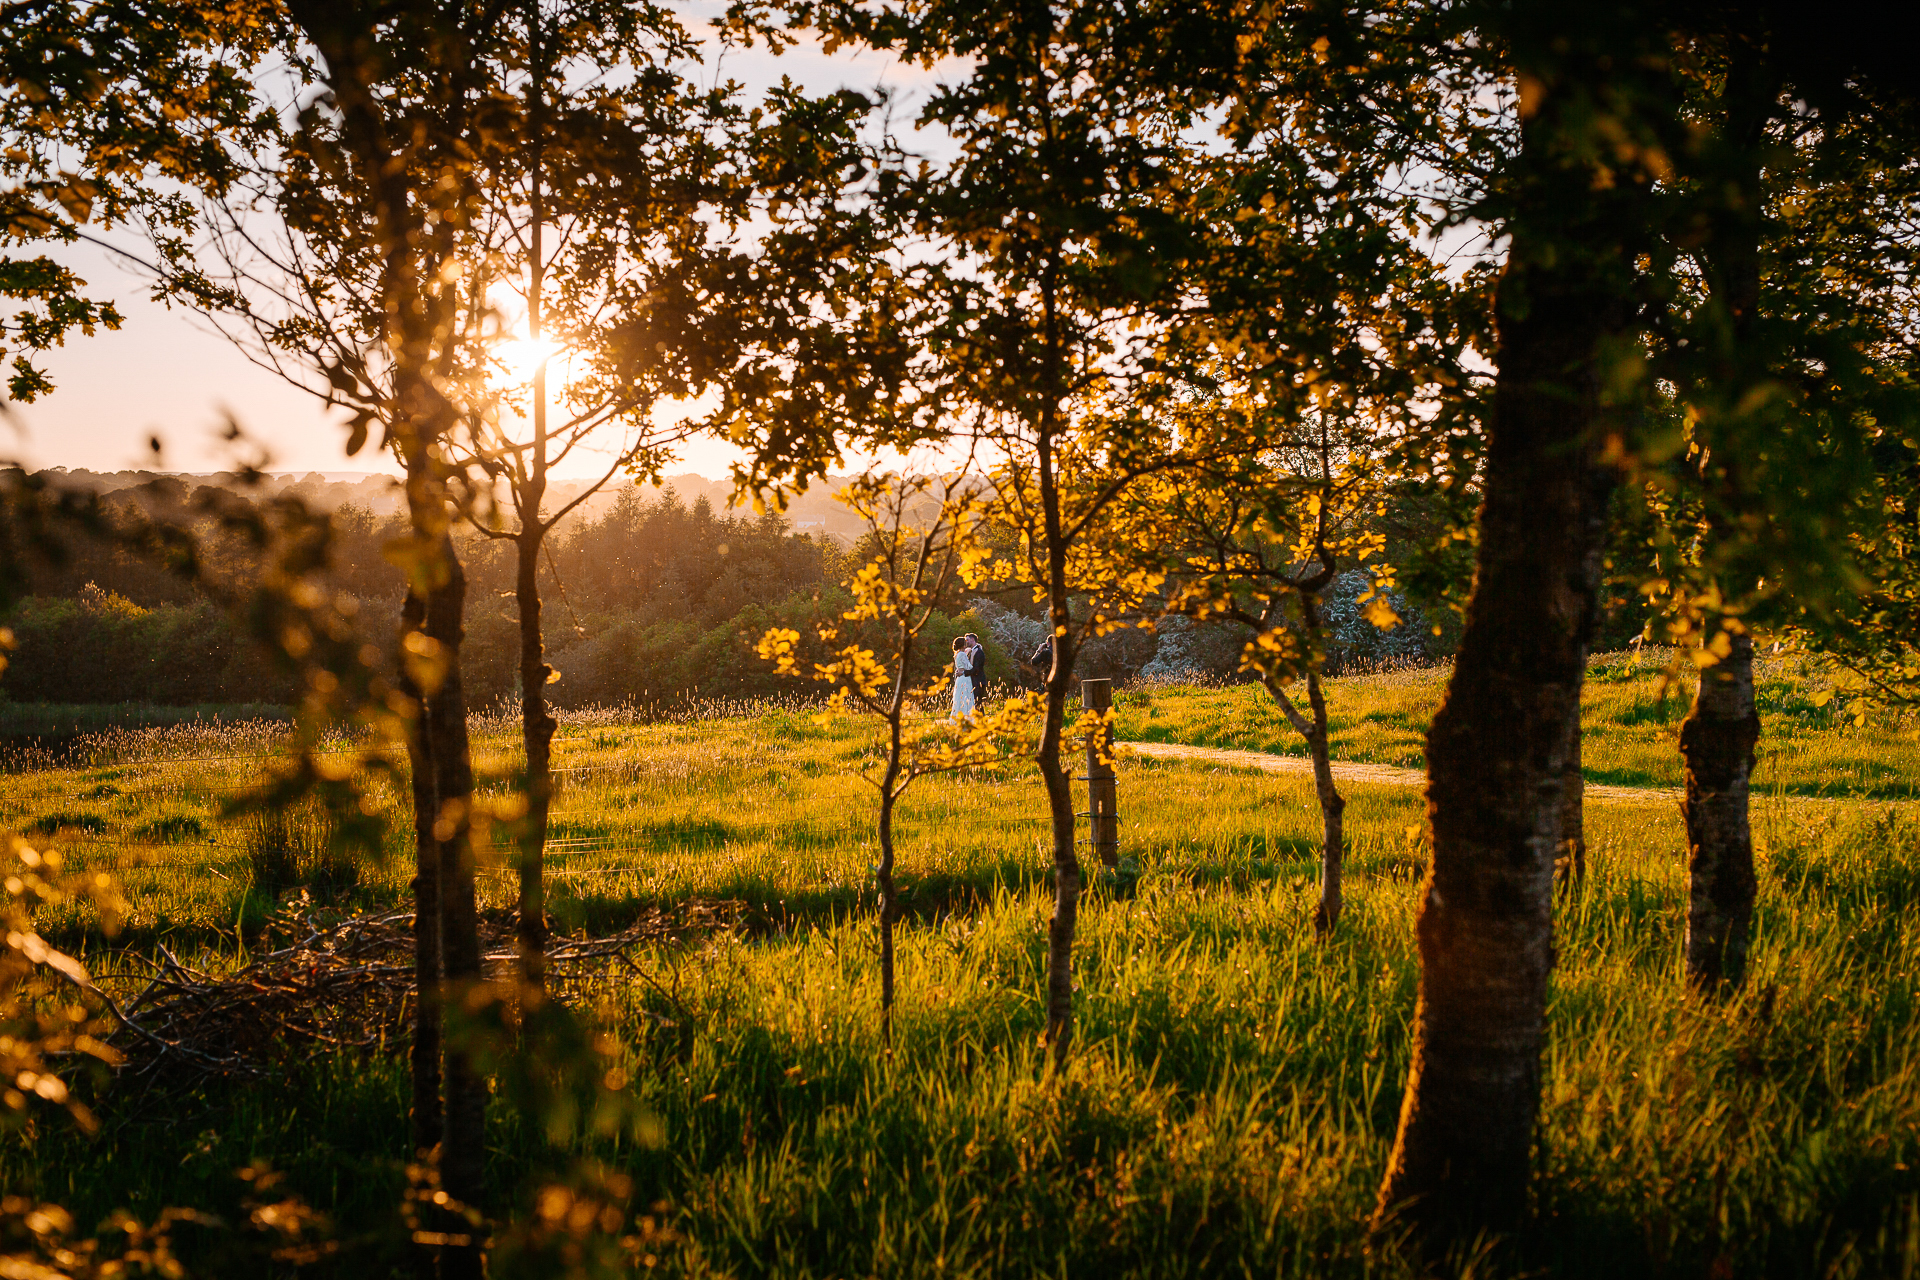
653, 600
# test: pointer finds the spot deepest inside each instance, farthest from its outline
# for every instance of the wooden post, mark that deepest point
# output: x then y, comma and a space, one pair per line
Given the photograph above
1103, 814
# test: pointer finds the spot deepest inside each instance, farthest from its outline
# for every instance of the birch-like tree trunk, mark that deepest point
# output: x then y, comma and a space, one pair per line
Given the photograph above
1717, 741
1501, 745
1718, 736
537, 727
427, 1118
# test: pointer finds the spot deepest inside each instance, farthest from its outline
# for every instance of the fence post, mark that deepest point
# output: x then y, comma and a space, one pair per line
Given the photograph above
1103, 814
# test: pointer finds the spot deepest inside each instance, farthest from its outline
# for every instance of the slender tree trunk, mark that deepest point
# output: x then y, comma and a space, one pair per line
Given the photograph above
1499, 748
1314, 731
1066, 859
537, 725
1333, 806
462, 1151
427, 1126
1067, 878
889, 903
1333, 846
427, 1115
1717, 742
1718, 737
536, 728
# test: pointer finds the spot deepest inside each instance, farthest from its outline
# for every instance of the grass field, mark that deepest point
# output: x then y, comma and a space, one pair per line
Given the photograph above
1631, 710
1236, 1084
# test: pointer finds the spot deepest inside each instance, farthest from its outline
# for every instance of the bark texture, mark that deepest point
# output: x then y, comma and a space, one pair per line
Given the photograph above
1067, 876
1500, 752
537, 727
428, 1119
463, 1148
1718, 737
1717, 741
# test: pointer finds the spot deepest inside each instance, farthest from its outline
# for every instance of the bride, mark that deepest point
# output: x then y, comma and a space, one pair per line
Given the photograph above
962, 678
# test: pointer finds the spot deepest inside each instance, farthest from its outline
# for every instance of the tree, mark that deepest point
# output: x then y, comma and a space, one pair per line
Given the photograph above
1257, 541
114, 112
1788, 346
360, 288
1498, 751
616, 165
1033, 285
923, 536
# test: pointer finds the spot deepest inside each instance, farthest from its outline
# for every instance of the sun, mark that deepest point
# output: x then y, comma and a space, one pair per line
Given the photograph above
518, 359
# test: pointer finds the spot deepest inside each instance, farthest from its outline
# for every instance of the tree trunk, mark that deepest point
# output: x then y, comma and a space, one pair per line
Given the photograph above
1066, 858
1717, 739
536, 728
1500, 746
1067, 880
1326, 914
883, 877
1333, 806
428, 1117
1717, 742
537, 725
444, 730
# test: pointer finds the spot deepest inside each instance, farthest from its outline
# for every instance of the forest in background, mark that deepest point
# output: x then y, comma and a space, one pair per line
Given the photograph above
659, 595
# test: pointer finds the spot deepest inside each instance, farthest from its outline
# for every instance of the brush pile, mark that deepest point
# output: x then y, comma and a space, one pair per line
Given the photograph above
345, 985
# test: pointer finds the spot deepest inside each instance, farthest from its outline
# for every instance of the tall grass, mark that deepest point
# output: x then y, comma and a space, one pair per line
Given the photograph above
1631, 709
1236, 1083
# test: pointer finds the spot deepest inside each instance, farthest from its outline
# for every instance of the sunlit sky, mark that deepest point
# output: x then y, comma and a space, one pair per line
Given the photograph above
165, 374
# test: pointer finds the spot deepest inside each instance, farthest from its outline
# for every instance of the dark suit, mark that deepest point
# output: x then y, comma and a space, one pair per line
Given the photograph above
1042, 659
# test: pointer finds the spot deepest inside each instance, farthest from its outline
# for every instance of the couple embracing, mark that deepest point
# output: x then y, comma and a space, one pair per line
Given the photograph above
969, 674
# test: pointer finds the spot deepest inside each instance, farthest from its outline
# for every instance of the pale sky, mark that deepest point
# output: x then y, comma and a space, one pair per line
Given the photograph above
165, 373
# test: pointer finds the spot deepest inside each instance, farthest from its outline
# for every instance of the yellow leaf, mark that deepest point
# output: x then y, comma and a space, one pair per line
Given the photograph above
1380, 613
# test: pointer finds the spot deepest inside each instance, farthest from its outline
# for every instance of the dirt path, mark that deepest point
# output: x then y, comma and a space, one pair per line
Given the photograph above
1387, 775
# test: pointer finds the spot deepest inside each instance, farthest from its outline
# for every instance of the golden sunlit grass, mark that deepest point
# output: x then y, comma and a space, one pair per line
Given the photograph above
1631, 709
1236, 1084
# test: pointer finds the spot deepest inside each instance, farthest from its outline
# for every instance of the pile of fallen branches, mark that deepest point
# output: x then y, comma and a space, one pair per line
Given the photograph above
341, 986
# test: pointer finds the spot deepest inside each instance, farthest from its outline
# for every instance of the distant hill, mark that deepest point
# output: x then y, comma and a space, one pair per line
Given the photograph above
814, 511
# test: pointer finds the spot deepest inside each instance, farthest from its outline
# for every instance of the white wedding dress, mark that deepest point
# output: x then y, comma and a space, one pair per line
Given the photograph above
962, 683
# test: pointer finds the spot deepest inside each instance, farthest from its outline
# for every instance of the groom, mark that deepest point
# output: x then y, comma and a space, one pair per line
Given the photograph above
977, 659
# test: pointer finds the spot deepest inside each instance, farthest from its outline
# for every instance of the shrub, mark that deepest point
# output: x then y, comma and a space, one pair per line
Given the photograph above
102, 647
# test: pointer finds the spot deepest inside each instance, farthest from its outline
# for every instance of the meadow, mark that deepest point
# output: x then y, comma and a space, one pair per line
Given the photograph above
1235, 1084
1631, 708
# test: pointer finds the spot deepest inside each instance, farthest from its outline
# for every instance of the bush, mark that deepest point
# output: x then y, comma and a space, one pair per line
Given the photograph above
102, 647
1354, 644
